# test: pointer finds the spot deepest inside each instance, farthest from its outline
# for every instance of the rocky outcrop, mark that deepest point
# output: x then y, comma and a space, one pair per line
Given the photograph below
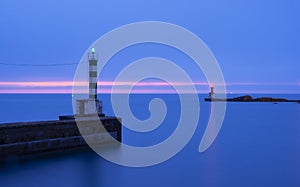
270, 99
248, 98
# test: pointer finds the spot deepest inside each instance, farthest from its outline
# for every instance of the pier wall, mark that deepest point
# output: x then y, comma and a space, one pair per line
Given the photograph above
29, 138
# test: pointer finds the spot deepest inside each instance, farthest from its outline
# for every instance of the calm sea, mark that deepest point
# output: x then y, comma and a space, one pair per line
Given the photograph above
258, 145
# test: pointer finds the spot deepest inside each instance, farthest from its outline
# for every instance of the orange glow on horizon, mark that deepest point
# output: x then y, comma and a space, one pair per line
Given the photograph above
100, 83
105, 86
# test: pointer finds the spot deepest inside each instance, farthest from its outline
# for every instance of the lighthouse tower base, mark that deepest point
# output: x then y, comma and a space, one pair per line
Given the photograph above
88, 106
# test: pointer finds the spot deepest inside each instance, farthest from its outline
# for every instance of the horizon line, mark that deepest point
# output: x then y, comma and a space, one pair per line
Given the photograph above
66, 87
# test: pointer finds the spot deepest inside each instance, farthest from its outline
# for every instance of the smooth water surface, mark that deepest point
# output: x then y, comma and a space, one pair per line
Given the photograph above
258, 145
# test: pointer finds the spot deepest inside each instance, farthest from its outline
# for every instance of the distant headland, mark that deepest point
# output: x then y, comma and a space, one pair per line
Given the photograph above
246, 98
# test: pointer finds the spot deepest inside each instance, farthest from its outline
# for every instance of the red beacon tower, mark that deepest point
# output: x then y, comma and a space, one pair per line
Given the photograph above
211, 93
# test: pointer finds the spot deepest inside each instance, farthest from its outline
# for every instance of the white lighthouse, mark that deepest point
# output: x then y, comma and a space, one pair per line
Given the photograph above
92, 57
91, 105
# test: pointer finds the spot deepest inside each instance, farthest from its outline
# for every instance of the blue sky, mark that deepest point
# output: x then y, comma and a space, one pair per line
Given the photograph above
255, 42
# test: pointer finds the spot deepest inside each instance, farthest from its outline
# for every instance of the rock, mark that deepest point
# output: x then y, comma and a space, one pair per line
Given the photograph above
270, 99
246, 98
